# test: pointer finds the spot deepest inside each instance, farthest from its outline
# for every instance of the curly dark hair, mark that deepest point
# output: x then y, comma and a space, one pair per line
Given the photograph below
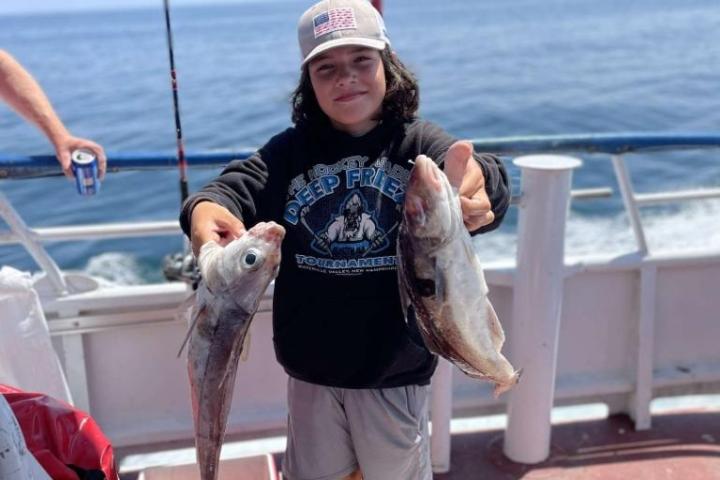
401, 100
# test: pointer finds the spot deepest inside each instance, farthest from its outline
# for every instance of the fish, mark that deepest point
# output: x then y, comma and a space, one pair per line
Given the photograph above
441, 279
234, 279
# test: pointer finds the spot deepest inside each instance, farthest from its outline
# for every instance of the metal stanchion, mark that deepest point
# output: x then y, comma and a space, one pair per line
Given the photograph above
537, 302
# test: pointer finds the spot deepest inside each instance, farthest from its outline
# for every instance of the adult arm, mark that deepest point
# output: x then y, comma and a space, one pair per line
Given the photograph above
20, 90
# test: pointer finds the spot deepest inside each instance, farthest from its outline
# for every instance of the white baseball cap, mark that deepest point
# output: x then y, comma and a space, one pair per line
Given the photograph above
335, 23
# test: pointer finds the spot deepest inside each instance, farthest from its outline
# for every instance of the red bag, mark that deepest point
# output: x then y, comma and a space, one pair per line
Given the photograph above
64, 440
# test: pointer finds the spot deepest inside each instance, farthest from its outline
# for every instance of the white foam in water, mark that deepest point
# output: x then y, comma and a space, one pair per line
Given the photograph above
692, 227
592, 235
115, 268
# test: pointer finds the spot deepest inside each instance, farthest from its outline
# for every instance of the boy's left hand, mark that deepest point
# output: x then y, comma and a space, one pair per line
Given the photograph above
465, 174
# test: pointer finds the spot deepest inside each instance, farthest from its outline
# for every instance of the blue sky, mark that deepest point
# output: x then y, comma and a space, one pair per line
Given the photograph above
29, 6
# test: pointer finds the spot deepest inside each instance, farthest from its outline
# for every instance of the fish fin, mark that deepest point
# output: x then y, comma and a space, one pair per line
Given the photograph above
199, 312
404, 299
224, 378
470, 251
473, 260
235, 355
469, 371
501, 388
245, 353
496, 330
440, 284
402, 278
187, 304
230, 369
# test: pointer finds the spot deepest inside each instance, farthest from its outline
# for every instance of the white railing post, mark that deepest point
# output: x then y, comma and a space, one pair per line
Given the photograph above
537, 302
441, 413
645, 340
631, 206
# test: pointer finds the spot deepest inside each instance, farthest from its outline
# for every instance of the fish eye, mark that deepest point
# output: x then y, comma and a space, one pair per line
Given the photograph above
252, 258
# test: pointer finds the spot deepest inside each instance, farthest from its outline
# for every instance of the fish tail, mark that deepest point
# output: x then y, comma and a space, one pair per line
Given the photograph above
208, 457
503, 387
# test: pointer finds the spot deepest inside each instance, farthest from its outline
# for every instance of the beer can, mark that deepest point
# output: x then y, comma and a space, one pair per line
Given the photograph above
85, 169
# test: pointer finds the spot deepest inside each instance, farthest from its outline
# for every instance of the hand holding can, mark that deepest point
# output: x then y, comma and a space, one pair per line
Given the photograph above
85, 169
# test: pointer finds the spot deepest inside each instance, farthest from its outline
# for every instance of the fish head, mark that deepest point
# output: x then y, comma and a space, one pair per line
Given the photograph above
252, 264
428, 201
246, 266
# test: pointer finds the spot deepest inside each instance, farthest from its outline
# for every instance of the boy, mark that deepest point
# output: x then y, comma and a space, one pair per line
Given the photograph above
358, 372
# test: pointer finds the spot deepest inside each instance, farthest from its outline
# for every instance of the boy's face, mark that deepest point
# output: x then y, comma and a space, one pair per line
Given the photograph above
349, 83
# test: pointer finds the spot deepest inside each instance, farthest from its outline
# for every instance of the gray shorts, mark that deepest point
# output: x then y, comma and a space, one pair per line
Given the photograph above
334, 431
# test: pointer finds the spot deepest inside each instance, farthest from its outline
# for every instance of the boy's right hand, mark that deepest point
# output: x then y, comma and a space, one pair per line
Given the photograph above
210, 221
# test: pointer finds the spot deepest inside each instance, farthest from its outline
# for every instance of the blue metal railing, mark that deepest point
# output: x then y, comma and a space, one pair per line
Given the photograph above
608, 143
19, 166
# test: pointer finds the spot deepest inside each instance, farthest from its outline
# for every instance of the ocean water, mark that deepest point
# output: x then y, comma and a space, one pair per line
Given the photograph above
486, 69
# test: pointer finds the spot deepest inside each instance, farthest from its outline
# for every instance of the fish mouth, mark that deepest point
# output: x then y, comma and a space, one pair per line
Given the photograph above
272, 235
424, 184
269, 232
424, 174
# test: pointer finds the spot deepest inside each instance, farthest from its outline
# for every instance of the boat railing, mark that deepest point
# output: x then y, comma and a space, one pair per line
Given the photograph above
616, 145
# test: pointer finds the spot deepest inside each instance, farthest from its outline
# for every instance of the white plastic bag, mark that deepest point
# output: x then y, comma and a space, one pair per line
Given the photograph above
27, 358
16, 461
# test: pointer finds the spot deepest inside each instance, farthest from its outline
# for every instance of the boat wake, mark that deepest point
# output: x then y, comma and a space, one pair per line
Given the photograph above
115, 269
689, 227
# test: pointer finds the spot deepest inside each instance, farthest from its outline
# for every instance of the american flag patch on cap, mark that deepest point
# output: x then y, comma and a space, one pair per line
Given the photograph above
333, 20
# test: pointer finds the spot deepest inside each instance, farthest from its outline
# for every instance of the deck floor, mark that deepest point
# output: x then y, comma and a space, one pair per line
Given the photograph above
682, 445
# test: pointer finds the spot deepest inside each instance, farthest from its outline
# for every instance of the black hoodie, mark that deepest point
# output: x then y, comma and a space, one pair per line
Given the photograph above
337, 317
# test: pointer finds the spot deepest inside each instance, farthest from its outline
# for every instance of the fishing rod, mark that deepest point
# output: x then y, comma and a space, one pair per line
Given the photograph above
182, 163
181, 265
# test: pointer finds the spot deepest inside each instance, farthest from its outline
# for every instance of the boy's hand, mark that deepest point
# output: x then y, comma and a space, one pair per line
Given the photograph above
466, 175
210, 221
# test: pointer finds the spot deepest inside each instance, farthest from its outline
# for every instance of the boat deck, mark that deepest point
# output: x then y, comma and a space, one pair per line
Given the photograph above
683, 444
